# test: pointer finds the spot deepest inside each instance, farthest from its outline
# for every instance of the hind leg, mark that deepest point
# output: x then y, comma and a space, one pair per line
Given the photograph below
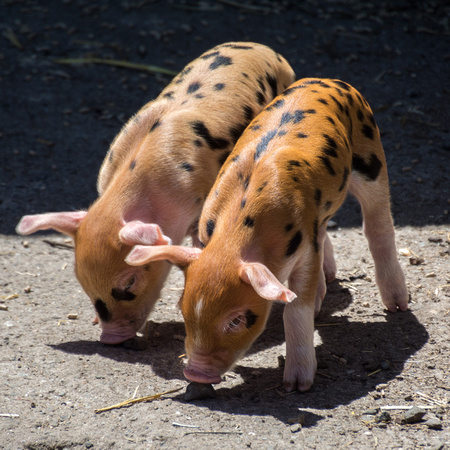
373, 195
329, 264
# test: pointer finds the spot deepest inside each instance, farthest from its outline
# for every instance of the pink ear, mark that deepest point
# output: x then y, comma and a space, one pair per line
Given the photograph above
136, 232
64, 222
178, 255
264, 282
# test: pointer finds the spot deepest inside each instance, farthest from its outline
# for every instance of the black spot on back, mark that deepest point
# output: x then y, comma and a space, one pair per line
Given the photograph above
302, 135
330, 147
273, 84
344, 179
193, 87
261, 85
243, 202
260, 189
155, 125
210, 55
249, 222
219, 86
264, 142
315, 235
102, 310
236, 132
288, 227
291, 90
210, 225
260, 98
322, 100
338, 103
367, 130
168, 94
294, 243
319, 82
220, 61
342, 84
248, 113
327, 163
331, 120
187, 167
238, 47
360, 115
277, 104
370, 170
317, 196
202, 131
133, 164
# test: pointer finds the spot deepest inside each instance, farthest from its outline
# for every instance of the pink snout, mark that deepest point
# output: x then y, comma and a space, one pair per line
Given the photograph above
203, 375
112, 335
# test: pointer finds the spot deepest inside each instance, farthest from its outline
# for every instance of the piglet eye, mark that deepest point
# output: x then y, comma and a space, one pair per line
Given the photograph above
130, 282
235, 323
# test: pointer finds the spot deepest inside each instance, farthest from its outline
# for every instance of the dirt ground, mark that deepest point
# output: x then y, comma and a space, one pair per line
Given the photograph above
57, 121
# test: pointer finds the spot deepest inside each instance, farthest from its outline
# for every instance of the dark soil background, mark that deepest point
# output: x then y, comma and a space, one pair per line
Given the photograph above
57, 121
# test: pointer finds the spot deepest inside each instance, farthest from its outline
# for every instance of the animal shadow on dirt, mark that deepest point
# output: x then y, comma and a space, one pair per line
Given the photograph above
354, 355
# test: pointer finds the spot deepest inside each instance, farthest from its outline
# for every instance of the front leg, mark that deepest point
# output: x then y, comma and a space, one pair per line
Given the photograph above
301, 363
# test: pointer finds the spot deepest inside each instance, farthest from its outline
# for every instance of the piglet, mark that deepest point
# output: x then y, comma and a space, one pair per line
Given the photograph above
157, 174
264, 224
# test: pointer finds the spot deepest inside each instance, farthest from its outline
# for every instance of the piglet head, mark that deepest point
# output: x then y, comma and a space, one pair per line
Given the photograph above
122, 295
225, 308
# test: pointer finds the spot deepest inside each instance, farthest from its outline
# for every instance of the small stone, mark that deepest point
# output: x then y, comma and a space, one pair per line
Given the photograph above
369, 418
135, 343
434, 424
72, 316
26, 244
300, 419
27, 289
199, 391
385, 366
380, 387
370, 412
415, 261
281, 361
295, 428
384, 417
414, 414
435, 239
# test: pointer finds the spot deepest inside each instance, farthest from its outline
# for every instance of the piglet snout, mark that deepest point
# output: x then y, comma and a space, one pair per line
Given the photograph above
116, 336
202, 374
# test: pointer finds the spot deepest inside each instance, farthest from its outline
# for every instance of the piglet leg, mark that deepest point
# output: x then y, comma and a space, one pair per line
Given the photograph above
301, 364
379, 231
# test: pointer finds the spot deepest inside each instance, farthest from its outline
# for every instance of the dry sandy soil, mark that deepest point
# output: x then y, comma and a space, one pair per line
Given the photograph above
57, 121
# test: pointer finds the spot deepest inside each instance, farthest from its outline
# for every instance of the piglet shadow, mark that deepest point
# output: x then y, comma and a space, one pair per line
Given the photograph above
354, 356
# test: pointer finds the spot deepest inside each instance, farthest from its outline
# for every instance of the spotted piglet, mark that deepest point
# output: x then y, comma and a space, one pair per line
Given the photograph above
264, 223
157, 174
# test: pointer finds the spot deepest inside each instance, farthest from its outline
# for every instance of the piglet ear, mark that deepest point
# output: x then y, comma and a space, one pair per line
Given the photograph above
264, 282
139, 233
178, 255
64, 222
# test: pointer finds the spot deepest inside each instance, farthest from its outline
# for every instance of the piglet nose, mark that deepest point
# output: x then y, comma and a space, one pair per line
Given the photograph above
116, 336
